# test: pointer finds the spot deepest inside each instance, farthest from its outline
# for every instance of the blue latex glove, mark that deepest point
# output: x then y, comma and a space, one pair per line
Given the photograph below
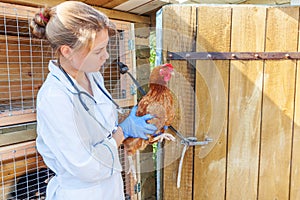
137, 127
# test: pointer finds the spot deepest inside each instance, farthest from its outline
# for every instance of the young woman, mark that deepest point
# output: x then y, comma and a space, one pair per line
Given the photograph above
78, 131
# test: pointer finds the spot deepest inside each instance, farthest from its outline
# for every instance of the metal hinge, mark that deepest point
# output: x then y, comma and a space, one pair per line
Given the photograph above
131, 45
233, 55
132, 89
137, 188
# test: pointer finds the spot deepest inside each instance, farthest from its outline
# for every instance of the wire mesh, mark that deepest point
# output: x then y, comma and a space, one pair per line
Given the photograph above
22, 61
23, 173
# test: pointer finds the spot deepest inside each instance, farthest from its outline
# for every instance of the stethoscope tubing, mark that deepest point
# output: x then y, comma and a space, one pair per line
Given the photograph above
79, 93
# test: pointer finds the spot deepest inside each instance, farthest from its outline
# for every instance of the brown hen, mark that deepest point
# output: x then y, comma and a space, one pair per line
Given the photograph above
159, 103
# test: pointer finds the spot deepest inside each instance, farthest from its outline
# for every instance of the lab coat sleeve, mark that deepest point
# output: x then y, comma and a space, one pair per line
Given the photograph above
79, 156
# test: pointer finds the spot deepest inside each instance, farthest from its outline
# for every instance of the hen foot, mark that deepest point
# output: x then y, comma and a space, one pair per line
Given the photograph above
164, 136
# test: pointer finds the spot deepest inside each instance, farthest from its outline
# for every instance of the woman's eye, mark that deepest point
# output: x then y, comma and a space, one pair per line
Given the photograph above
99, 52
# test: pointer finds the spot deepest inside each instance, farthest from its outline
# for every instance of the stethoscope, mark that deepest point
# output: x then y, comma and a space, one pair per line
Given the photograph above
81, 94
123, 69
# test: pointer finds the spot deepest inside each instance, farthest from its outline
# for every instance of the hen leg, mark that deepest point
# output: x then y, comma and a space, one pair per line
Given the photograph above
163, 136
132, 169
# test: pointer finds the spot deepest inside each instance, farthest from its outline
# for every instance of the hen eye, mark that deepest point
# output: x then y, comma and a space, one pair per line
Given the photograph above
161, 72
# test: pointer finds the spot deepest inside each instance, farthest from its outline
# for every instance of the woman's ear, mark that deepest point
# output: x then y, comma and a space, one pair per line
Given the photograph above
65, 51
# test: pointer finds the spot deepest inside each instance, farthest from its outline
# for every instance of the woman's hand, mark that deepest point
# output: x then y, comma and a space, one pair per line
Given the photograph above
137, 127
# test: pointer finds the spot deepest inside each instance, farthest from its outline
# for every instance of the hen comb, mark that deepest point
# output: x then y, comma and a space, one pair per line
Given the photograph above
169, 65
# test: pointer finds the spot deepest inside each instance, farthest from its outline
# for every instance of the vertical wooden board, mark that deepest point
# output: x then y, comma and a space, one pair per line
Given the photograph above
246, 78
213, 35
278, 105
178, 35
295, 173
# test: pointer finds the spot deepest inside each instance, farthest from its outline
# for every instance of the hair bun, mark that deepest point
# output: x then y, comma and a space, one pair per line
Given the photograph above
39, 22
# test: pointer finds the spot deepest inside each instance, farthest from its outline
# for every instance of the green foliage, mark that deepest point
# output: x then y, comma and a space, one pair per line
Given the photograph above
152, 58
152, 42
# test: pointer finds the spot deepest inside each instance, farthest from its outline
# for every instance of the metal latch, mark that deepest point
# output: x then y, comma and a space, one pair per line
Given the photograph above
187, 142
137, 188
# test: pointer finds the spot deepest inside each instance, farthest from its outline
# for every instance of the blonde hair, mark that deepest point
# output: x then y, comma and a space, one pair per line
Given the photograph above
70, 23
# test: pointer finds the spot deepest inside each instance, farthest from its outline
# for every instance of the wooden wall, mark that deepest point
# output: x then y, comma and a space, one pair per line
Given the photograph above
257, 153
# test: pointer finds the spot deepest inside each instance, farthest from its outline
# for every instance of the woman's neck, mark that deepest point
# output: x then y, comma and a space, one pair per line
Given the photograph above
79, 76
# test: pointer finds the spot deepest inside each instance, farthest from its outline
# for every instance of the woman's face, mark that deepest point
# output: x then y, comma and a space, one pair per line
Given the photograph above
91, 61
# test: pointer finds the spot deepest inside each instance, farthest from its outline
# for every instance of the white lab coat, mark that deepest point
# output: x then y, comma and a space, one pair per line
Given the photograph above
74, 145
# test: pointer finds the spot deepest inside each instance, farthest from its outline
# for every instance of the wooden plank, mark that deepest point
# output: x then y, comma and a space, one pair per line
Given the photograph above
141, 6
213, 34
16, 137
246, 79
295, 159
24, 87
151, 6
17, 150
278, 105
112, 14
178, 31
98, 3
10, 10
295, 173
113, 3
276, 2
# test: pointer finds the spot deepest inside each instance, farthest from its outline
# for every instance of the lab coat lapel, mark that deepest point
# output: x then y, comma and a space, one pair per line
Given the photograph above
59, 75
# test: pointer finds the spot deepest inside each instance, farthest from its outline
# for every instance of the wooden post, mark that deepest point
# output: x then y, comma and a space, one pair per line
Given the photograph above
278, 104
295, 175
213, 34
246, 78
295, 162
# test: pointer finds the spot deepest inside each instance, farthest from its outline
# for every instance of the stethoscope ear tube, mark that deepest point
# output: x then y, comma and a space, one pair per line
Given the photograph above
102, 90
123, 68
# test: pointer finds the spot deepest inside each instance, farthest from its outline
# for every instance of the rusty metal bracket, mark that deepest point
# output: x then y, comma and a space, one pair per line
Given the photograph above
232, 55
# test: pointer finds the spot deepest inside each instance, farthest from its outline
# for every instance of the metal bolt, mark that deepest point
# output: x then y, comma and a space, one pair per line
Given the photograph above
187, 55
233, 55
209, 56
170, 55
287, 55
256, 55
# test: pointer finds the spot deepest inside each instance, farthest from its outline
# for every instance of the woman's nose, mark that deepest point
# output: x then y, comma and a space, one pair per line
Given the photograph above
106, 55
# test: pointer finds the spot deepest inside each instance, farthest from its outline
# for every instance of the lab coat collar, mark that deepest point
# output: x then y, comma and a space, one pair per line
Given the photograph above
59, 75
